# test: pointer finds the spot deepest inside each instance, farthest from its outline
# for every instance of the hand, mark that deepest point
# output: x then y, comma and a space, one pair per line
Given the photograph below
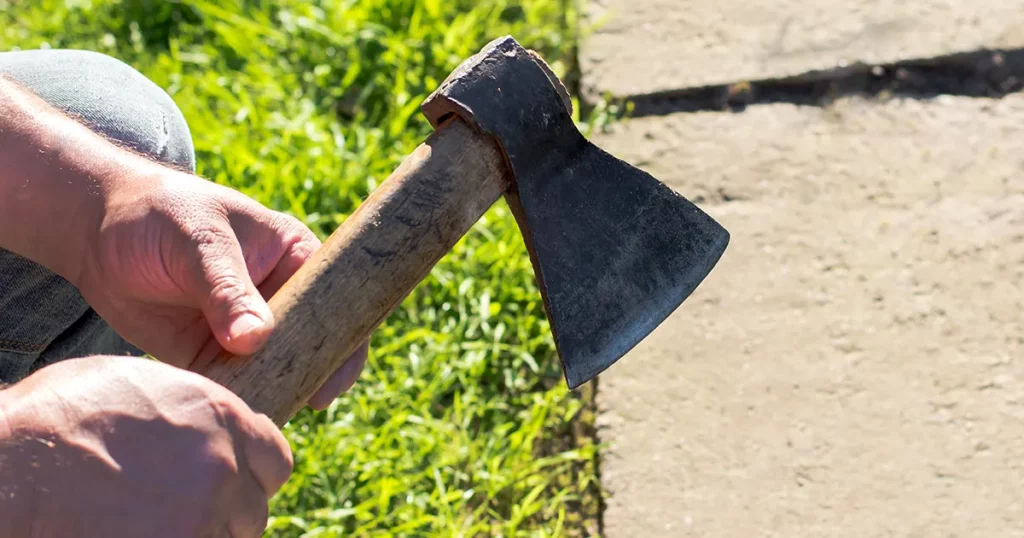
176, 259
121, 446
174, 263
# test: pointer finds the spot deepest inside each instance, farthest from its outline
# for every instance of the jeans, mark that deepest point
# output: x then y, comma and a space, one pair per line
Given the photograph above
43, 318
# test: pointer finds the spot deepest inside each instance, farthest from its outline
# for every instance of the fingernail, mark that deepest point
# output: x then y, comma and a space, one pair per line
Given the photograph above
243, 325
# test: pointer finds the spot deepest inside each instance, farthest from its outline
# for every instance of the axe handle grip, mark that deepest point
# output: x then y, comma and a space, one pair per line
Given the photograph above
365, 269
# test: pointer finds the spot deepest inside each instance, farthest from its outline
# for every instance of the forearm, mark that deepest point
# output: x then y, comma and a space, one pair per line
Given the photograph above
55, 175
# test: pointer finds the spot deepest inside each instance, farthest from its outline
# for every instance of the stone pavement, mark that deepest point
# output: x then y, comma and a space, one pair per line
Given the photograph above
853, 367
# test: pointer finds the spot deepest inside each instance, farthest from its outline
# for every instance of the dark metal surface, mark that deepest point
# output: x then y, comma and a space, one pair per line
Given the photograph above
615, 251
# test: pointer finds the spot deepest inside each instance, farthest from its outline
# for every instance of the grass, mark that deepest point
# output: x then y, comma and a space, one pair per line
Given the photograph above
461, 424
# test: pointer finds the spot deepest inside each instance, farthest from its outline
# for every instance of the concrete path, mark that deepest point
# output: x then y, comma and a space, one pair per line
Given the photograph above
643, 46
854, 367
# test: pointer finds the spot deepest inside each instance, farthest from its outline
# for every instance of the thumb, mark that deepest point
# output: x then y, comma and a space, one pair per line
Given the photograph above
239, 317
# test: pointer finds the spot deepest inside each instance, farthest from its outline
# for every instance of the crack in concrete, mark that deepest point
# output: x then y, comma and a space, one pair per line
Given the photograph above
979, 73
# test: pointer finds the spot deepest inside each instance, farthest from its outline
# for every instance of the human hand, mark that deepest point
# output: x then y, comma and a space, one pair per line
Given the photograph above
176, 259
121, 446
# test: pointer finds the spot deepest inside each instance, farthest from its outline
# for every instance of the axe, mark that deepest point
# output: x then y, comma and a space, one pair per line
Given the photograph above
614, 250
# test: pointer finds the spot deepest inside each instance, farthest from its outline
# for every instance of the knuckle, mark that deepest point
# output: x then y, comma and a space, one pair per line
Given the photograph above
238, 199
285, 221
195, 212
227, 413
288, 460
291, 225
303, 242
225, 405
209, 234
287, 463
226, 287
212, 242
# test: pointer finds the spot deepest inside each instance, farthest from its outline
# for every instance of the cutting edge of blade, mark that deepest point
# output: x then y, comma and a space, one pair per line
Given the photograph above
572, 367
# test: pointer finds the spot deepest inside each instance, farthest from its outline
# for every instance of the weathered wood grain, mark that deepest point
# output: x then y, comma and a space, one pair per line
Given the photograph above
366, 268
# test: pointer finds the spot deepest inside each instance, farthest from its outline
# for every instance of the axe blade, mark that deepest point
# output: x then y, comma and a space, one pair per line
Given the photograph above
615, 253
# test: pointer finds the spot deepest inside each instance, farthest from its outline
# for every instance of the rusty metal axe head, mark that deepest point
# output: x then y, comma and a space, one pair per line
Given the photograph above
615, 251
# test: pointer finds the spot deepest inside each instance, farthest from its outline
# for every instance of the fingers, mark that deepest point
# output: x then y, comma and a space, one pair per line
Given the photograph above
341, 380
298, 252
268, 454
238, 315
264, 464
250, 512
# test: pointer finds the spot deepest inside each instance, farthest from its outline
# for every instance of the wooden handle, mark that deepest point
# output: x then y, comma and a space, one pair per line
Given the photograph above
366, 268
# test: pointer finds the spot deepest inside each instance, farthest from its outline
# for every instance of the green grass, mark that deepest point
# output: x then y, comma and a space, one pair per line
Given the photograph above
461, 424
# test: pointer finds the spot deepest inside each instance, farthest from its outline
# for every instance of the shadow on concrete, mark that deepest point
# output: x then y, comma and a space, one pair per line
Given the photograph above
982, 73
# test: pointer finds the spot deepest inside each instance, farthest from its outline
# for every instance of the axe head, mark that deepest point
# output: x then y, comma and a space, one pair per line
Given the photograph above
615, 250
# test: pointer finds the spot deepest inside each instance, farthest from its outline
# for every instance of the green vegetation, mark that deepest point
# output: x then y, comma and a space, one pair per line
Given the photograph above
461, 424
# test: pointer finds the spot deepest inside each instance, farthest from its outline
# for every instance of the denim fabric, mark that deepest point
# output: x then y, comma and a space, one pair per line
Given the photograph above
43, 318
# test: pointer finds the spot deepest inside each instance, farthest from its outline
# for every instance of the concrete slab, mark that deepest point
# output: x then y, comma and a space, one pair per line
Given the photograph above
855, 365
643, 46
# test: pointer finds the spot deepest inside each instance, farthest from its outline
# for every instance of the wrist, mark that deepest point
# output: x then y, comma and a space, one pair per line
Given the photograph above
55, 177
